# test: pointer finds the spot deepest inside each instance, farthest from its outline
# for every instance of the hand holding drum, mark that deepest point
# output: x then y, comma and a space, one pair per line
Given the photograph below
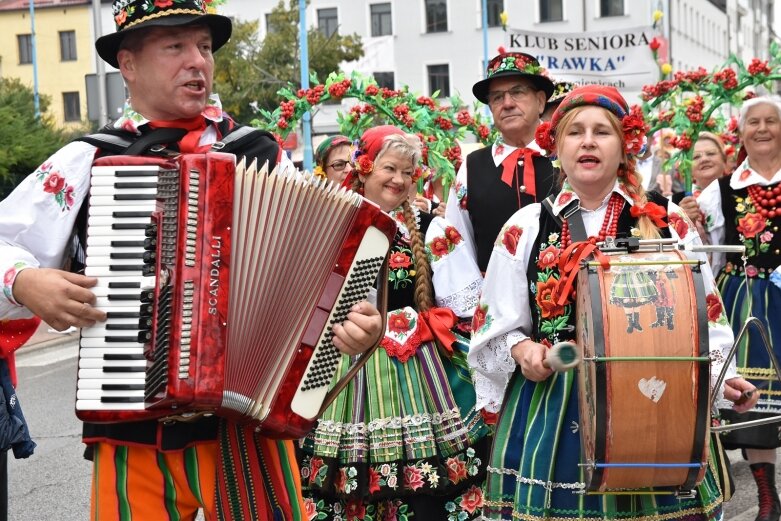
563, 356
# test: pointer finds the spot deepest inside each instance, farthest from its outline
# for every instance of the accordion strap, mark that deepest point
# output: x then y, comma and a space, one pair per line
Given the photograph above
382, 306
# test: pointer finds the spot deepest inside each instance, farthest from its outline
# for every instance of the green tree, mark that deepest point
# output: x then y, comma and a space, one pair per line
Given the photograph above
26, 143
249, 72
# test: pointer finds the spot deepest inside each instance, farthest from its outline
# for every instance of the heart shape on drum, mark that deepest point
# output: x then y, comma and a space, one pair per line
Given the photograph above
652, 388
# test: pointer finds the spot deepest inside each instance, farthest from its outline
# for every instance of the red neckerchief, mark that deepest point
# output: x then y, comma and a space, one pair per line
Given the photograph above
510, 162
196, 127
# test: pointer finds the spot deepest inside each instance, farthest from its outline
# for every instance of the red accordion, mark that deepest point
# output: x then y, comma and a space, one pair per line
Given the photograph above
221, 285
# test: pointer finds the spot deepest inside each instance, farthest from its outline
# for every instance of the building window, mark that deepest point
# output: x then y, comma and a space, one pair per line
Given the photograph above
436, 16
385, 79
25, 42
327, 21
72, 106
611, 7
68, 46
551, 11
439, 80
269, 26
494, 8
381, 19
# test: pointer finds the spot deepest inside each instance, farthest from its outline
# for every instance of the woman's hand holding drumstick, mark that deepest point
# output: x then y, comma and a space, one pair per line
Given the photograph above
538, 362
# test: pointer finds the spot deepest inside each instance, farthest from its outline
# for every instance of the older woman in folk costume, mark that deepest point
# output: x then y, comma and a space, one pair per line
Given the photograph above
533, 468
743, 209
404, 437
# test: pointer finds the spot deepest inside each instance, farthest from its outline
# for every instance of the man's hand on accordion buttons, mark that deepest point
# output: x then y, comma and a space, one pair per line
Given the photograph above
60, 298
360, 331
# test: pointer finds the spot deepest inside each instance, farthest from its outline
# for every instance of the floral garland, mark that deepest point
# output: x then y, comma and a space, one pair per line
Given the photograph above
438, 126
690, 103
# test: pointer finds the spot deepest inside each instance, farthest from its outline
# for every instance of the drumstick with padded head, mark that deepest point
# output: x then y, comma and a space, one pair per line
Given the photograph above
563, 356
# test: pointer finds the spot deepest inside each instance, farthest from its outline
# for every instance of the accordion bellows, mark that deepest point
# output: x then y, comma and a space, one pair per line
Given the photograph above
222, 284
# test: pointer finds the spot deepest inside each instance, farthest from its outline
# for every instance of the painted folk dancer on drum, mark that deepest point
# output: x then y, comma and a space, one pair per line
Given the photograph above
745, 209
534, 470
404, 437
494, 182
150, 470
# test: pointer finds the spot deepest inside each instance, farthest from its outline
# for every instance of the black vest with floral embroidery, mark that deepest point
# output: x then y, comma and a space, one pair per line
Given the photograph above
744, 226
401, 269
550, 322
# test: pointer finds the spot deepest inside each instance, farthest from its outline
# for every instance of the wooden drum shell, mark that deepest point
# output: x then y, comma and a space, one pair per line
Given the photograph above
643, 411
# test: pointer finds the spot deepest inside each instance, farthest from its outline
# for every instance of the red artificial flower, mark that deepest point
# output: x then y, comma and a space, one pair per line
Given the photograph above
713, 303
398, 322
364, 165
654, 44
163, 3
751, 224
546, 299
544, 137
121, 17
634, 128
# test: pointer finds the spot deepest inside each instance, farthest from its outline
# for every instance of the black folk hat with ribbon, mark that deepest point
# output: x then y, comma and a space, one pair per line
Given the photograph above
131, 15
514, 64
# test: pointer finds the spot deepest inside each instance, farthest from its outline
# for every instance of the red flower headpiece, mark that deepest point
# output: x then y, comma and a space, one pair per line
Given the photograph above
607, 97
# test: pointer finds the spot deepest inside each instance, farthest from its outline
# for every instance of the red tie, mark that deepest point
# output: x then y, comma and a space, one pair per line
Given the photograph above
196, 127
509, 164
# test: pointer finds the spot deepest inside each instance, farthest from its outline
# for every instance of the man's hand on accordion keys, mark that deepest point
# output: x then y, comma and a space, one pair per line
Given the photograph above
60, 298
360, 331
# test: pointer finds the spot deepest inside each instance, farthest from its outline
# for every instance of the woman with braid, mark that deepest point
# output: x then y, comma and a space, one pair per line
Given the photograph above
525, 307
404, 438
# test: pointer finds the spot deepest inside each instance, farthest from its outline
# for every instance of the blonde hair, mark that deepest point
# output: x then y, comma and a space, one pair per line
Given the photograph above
627, 171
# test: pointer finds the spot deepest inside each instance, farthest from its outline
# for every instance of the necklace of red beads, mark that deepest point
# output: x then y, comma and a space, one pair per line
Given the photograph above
609, 226
766, 199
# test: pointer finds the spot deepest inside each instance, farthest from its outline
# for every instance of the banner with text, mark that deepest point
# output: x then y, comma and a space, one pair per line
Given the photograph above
620, 58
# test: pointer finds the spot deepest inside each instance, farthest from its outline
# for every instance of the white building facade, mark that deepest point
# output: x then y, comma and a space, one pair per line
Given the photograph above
439, 45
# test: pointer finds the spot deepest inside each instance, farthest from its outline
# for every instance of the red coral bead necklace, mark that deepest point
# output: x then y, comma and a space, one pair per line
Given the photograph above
609, 226
766, 199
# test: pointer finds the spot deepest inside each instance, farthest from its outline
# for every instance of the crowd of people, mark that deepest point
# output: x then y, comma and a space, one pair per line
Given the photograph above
458, 414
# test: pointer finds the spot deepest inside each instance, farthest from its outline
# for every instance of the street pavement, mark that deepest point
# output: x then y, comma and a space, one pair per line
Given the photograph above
54, 483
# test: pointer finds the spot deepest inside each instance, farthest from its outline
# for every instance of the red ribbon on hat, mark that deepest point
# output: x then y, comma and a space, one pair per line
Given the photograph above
436, 324
651, 210
508, 169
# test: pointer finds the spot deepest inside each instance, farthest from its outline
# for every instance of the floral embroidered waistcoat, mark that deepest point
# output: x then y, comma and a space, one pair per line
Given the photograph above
743, 225
552, 323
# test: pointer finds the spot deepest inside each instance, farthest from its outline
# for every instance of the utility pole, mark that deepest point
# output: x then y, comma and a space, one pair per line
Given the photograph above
307, 120
100, 67
36, 100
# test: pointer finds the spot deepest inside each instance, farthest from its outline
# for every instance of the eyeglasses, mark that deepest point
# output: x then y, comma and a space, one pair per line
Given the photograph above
338, 165
516, 93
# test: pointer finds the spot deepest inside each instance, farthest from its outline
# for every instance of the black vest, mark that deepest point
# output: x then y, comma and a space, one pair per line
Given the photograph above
490, 202
764, 260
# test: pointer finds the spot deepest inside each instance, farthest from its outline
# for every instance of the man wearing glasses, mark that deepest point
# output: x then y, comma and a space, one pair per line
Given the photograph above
493, 183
